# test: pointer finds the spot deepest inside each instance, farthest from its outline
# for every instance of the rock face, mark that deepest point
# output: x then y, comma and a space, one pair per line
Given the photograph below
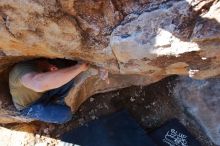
23, 135
160, 42
138, 42
201, 99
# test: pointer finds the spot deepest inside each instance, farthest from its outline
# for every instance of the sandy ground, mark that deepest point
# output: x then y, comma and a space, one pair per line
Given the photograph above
150, 106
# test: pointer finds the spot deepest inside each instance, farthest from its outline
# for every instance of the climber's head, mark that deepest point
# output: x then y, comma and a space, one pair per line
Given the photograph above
45, 65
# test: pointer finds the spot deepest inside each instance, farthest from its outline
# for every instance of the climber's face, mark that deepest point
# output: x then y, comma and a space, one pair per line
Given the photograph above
45, 66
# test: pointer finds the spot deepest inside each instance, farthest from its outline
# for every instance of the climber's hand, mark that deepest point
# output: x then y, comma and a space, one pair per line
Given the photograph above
103, 74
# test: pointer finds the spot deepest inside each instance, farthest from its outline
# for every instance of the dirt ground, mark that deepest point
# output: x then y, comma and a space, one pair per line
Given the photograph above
150, 106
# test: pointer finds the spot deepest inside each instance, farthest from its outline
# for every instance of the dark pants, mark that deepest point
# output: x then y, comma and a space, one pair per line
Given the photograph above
51, 107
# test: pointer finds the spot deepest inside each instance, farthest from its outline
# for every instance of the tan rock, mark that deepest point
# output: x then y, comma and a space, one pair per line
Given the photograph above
21, 136
137, 42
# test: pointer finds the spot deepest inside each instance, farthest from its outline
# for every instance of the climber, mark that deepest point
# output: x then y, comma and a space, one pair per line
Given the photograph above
38, 88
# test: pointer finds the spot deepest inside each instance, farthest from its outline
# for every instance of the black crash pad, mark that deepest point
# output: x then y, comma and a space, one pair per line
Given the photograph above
173, 133
119, 129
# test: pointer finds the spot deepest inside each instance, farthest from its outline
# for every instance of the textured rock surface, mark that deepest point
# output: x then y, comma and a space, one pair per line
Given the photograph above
164, 41
119, 36
138, 42
23, 135
89, 83
201, 98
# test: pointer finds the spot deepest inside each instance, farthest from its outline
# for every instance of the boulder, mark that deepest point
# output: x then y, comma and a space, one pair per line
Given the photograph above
137, 42
201, 99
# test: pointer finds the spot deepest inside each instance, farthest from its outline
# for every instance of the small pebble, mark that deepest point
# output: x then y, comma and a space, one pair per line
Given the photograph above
106, 106
46, 130
93, 117
81, 121
37, 136
99, 106
91, 99
147, 107
51, 127
132, 99
204, 58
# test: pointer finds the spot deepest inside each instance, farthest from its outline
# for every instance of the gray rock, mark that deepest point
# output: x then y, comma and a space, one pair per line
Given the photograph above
201, 99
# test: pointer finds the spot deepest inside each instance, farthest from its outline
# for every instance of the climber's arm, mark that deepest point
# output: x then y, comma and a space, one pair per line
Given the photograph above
41, 82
